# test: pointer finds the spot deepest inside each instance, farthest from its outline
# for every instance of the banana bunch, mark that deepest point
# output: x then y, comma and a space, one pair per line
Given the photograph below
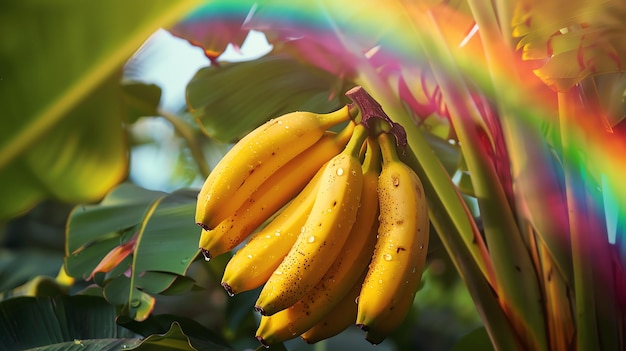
335, 226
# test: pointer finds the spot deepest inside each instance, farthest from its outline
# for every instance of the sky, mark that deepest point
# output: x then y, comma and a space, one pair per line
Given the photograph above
170, 62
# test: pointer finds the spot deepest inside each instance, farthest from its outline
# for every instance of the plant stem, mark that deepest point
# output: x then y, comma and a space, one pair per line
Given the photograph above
189, 136
451, 219
512, 264
587, 335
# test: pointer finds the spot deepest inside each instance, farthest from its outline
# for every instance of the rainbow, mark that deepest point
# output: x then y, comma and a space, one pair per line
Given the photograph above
395, 48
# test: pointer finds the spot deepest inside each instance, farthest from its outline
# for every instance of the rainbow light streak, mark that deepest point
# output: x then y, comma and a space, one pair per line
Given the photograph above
391, 36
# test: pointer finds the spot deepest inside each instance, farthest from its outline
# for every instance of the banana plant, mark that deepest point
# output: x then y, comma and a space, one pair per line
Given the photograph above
523, 90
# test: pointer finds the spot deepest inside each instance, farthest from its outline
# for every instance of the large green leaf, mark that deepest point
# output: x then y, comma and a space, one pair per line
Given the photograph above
230, 100
62, 118
89, 323
28, 322
160, 231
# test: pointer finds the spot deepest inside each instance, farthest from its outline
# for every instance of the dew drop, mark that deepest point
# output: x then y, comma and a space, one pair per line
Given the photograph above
387, 257
414, 270
250, 257
356, 300
277, 232
302, 229
230, 293
339, 171
329, 210
278, 272
421, 246
311, 239
380, 281
135, 303
268, 236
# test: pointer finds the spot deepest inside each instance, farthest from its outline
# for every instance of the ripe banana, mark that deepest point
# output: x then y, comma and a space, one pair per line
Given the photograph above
391, 319
400, 254
254, 263
273, 194
343, 316
342, 274
324, 233
255, 158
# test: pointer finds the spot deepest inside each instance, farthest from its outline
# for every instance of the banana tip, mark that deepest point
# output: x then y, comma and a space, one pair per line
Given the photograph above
262, 341
374, 340
260, 310
306, 340
206, 254
363, 327
203, 226
228, 289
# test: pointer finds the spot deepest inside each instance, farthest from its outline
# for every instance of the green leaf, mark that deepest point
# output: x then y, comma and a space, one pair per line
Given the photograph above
177, 339
232, 99
166, 243
477, 339
161, 324
62, 133
28, 322
39, 286
141, 99
89, 345
19, 266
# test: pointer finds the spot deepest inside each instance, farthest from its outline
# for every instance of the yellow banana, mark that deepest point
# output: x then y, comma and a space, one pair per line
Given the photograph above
391, 318
324, 233
254, 263
343, 316
399, 258
342, 274
273, 194
255, 158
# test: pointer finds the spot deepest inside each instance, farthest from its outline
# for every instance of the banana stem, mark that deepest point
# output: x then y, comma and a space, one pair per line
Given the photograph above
372, 155
356, 141
373, 117
388, 148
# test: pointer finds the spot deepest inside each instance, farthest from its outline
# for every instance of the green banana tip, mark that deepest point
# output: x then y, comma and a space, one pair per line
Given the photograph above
374, 118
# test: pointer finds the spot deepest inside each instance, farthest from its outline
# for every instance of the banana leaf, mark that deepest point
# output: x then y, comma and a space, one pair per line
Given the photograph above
230, 99
157, 232
62, 133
